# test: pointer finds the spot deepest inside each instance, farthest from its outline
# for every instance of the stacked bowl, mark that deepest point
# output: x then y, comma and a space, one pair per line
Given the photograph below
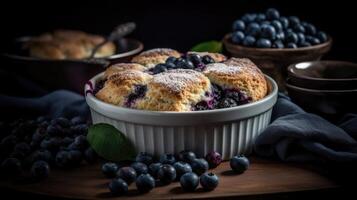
328, 88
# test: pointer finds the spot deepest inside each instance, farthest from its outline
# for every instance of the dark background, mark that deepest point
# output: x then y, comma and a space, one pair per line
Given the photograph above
172, 23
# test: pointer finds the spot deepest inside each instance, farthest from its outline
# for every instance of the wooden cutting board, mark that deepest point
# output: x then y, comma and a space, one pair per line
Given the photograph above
263, 177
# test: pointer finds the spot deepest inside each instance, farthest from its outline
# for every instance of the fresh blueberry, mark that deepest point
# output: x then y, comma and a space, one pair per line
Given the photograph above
207, 59
40, 170
139, 167
118, 187
182, 64
66, 141
199, 166
253, 29
181, 168
278, 44
79, 129
194, 58
312, 40
51, 144
237, 37
167, 159
78, 120
284, 22
11, 166
154, 169
187, 156
247, 18
128, 174
54, 130
291, 45
189, 181
209, 181
110, 169
264, 23
90, 155
238, 25
227, 103
322, 36
145, 183
37, 155
301, 38
305, 44
80, 143
63, 159
166, 174
272, 14
170, 59
144, 158
239, 164
291, 37
268, 31
263, 43
61, 121
293, 21
260, 17
23, 149
159, 68
309, 29
214, 159
299, 28
76, 157
249, 41
277, 25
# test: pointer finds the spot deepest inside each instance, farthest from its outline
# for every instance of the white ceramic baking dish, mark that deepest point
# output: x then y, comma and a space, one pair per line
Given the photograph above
229, 131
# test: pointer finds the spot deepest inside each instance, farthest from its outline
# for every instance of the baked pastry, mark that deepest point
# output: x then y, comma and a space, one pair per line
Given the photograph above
190, 82
152, 57
68, 44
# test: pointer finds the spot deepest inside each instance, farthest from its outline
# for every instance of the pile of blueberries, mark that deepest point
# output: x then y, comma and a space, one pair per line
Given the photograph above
188, 61
185, 167
35, 145
270, 30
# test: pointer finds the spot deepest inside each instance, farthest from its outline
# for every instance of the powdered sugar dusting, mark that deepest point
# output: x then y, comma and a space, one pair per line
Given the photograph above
177, 80
161, 51
128, 74
221, 68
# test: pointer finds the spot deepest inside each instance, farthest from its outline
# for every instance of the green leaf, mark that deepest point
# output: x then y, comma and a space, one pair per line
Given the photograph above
209, 46
110, 143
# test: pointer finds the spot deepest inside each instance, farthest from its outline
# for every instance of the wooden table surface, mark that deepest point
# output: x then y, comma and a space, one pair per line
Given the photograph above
263, 177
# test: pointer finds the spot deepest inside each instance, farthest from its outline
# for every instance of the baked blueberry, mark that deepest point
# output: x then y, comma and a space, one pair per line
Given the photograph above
238, 25
110, 169
166, 174
278, 44
128, 174
207, 59
284, 22
227, 103
145, 183
170, 60
322, 36
268, 31
209, 181
189, 181
214, 159
154, 169
194, 58
118, 187
199, 166
263, 43
159, 68
40, 169
249, 41
187, 156
253, 29
238, 37
239, 164
181, 168
144, 158
140, 168
167, 159
202, 105
11, 166
272, 14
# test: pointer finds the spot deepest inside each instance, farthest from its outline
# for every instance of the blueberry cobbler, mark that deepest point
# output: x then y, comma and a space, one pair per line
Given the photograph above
165, 80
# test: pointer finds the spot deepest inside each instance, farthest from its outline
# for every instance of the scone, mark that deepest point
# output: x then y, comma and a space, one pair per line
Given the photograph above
176, 90
238, 75
124, 88
153, 57
68, 44
122, 67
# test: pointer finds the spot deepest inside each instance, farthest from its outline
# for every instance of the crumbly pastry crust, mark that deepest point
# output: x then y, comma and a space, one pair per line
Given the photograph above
180, 89
152, 57
68, 44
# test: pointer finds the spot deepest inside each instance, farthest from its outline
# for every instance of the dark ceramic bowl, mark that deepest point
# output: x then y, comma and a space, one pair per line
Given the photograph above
65, 74
324, 75
330, 104
275, 61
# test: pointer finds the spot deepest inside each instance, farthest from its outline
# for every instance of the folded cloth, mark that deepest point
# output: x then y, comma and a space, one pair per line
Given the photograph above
60, 103
297, 136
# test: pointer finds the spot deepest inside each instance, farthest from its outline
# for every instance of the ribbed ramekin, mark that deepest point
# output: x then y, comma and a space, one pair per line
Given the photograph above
229, 131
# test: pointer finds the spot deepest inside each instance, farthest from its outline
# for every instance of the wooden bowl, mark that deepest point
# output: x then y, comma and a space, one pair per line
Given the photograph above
275, 61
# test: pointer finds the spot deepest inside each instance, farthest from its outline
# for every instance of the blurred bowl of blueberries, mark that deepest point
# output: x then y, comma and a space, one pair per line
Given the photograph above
274, 42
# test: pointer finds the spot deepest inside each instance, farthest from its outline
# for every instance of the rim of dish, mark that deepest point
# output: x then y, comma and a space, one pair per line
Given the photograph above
319, 91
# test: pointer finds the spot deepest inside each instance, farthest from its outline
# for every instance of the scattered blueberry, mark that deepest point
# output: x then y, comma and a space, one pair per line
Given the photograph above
207, 59
209, 181
144, 158
214, 159
167, 159
40, 170
194, 58
140, 168
239, 164
145, 183
154, 169
187, 156
159, 68
110, 169
189, 181
181, 168
128, 174
199, 166
118, 187
170, 60
166, 174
